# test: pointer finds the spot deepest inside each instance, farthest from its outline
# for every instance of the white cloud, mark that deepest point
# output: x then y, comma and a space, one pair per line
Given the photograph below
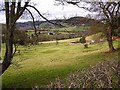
47, 6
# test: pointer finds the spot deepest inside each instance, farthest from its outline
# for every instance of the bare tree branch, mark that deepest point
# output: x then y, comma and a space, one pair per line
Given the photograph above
33, 21
2, 10
17, 15
72, 2
18, 6
14, 50
46, 18
49, 20
118, 9
33, 24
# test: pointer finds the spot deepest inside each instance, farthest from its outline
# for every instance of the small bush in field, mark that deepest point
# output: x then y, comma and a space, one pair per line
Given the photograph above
82, 40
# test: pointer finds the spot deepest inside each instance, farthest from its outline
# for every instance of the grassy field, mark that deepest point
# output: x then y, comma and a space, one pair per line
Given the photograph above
38, 65
72, 28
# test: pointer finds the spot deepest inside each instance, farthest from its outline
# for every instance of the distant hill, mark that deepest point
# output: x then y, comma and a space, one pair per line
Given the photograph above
74, 21
29, 25
77, 21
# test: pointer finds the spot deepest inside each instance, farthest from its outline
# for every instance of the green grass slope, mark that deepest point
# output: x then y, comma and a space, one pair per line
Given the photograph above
38, 65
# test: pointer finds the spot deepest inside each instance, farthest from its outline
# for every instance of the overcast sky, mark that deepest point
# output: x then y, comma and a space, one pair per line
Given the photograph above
48, 7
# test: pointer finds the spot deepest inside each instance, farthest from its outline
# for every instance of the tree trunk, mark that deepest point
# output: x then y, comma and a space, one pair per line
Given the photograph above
110, 41
11, 17
9, 51
10, 28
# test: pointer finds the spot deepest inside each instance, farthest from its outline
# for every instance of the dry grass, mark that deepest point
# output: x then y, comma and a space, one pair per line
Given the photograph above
103, 75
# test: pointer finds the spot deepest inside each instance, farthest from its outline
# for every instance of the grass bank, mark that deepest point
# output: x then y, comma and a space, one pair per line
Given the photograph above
39, 64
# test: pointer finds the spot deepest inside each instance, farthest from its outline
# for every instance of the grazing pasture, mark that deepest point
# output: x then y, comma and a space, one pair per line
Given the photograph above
41, 64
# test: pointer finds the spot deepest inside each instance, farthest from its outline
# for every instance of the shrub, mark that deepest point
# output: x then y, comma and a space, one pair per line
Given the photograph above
20, 37
82, 40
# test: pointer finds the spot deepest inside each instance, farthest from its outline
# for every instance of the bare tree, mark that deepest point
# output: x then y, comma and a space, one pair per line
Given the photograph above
13, 11
108, 11
111, 11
